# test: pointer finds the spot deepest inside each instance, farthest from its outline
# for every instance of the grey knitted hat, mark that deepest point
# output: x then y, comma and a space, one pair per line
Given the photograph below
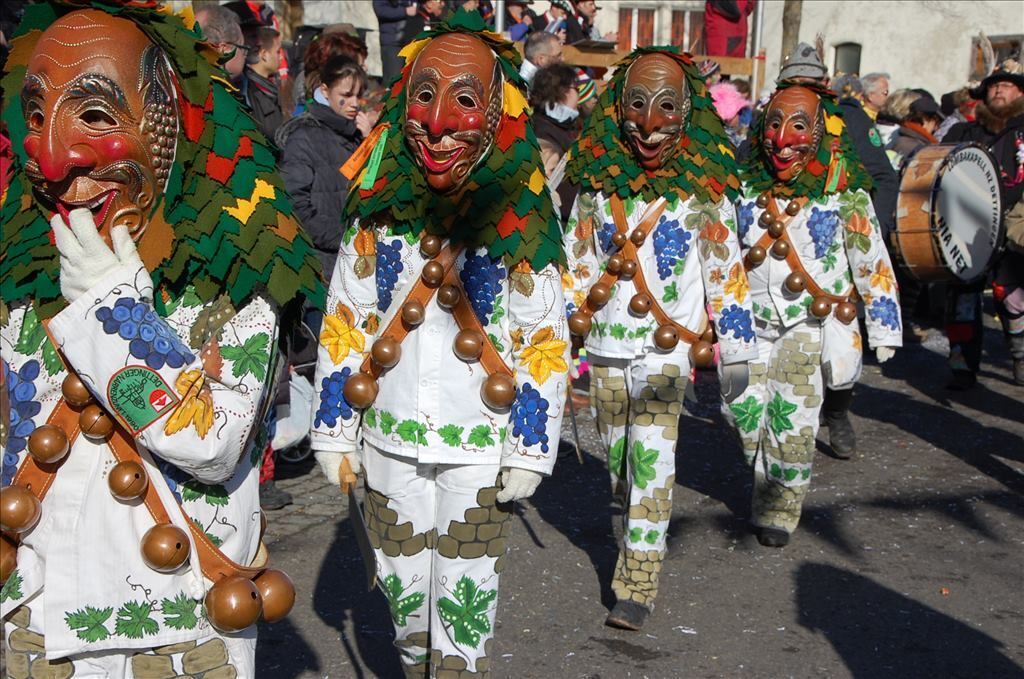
803, 62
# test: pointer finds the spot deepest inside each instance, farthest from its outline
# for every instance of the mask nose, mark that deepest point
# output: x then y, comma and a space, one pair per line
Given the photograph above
55, 155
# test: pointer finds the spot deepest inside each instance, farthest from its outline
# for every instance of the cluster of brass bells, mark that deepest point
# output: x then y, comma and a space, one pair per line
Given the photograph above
236, 602
498, 391
776, 228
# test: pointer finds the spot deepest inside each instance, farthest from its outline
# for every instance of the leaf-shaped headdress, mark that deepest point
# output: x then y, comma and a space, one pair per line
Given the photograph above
233, 228
703, 164
505, 205
836, 166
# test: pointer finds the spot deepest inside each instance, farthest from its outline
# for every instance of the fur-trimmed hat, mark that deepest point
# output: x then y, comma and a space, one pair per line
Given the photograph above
1011, 71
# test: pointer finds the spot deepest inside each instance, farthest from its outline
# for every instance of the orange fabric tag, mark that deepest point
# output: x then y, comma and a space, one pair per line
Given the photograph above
356, 161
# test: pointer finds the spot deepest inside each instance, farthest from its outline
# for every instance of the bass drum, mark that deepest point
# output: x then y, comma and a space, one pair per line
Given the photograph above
948, 214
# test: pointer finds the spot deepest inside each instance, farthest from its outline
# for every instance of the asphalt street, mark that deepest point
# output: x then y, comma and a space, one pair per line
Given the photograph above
907, 563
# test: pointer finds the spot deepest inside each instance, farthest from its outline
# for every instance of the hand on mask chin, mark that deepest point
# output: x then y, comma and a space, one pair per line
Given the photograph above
86, 259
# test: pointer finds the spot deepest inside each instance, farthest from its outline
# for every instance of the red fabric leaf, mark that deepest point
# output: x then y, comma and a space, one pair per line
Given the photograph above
509, 131
221, 168
510, 223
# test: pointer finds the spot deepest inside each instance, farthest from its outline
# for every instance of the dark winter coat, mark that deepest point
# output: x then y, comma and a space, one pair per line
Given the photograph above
391, 18
263, 97
907, 140
868, 144
316, 144
555, 138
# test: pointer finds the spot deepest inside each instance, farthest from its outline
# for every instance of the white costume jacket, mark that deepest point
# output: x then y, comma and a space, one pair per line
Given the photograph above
428, 406
192, 388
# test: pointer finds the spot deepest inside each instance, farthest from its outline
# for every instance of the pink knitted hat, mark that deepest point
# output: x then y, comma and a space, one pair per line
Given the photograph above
728, 100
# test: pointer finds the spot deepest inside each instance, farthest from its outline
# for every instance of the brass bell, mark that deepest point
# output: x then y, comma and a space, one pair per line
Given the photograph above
75, 392
614, 263
618, 239
432, 274
637, 237
599, 294
776, 227
640, 303
386, 352
795, 282
702, 354
821, 307
846, 312
430, 245
498, 391
666, 337
764, 220
762, 200
468, 345
413, 313
628, 269
709, 334
780, 249
8, 557
448, 296
233, 604
165, 547
792, 208
19, 509
128, 480
756, 254
277, 592
360, 390
95, 424
579, 323
48, 443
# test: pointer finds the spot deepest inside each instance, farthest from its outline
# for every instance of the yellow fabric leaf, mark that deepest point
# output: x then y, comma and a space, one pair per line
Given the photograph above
410, 51
515, 104
544, 355
244, 208
882, 277
833, 125
340, 336
196, 407
726, 150
537, 181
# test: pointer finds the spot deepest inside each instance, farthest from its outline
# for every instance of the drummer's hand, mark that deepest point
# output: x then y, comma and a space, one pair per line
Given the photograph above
883, 354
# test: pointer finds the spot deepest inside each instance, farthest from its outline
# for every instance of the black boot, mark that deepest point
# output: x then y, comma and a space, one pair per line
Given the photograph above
272, 497
836, 416
772, 537
628, 615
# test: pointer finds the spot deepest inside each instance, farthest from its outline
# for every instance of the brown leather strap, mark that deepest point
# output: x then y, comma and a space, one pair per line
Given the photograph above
793, 259
38, 478
629, 252
467, 319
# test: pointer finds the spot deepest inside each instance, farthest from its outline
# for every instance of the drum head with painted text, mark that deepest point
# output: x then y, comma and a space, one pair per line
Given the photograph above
967, 212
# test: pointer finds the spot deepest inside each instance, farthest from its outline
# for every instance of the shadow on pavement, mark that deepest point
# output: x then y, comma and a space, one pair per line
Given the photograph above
577, 502
879, 632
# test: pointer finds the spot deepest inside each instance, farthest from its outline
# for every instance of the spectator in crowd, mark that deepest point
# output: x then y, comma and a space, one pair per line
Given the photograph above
519, 19
555, 102
917, 129
260, 88
876, 91
427, 11
960, 110
1000, 128
897, 107
258, 11
325, 46
711, 71
555, 19
725, 27
316, 144
391, 18
729, 103
580, 23
541, 49
222, 29
587, 89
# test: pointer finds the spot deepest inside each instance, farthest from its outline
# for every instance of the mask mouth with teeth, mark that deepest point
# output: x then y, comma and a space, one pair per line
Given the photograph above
793, 129
101, 121
654, 106
452, 109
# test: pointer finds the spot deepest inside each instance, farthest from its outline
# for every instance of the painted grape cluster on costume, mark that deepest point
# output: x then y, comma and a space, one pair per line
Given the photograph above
148, 339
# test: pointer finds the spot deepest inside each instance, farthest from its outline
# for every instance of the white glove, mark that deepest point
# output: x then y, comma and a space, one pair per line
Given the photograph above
85, 258
330, 463
518, 484
883, 354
